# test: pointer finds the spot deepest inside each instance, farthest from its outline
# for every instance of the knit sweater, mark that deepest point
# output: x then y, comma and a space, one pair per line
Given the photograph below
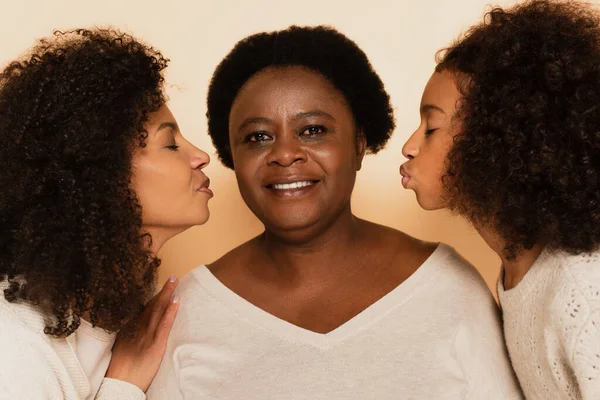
34, 365
435, 336
552, 327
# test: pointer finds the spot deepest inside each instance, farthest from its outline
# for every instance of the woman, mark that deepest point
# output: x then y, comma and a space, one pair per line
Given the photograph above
322, 304
96, 177
512, 143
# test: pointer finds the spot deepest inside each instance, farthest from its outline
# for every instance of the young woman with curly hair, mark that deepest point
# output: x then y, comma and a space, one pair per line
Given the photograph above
510, 138
95, 178
322, 304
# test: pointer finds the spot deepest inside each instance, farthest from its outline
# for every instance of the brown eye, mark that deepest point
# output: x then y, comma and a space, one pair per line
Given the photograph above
258, 137
313, 130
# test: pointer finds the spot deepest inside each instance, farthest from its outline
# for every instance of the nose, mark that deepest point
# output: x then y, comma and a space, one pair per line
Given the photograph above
411, 148
286, 151
198, 159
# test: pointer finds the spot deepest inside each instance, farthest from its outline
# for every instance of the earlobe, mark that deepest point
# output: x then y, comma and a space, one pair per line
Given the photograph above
361, 148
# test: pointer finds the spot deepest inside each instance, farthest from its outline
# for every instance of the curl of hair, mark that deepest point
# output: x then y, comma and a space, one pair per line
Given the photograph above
320, 49
72, 112
527, 159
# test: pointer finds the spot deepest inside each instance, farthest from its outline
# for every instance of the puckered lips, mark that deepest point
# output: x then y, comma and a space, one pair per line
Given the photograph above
204, 187
405, 176
291, 186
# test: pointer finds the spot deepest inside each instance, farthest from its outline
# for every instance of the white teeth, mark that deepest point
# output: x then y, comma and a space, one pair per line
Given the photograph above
293, 185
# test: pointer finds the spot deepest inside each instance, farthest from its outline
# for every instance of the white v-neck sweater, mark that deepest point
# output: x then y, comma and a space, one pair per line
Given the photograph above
435, 336
36, 366
552, 327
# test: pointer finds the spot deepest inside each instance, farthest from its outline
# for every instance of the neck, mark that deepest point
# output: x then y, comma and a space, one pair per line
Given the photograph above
318, 256
514, 268
158, 237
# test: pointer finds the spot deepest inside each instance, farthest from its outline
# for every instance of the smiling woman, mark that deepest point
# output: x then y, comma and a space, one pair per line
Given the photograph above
304, 147
298, 311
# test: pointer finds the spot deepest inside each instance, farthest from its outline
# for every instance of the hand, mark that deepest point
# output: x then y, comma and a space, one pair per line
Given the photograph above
136, 359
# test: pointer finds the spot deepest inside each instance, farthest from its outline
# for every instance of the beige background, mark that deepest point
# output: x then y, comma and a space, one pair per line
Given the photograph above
400, 37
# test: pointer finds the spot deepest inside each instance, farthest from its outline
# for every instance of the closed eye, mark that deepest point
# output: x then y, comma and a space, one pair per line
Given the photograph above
430, 131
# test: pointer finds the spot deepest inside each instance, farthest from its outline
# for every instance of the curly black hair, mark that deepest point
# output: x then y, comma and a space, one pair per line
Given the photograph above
320, 49
72, 111
527, 160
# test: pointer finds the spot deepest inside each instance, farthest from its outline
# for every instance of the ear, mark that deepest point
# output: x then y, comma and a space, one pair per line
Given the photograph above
361, 147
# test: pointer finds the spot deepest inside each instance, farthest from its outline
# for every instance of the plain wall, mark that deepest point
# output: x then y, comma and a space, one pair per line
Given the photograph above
399, 37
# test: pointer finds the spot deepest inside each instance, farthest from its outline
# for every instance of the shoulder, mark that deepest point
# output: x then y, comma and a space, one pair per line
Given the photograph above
27, 353
20, 316
235, 258
567, 286
454, 279
455, 271
582, 273
398, 245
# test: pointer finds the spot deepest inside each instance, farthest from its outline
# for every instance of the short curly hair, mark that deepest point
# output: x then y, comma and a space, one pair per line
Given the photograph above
527, 161
320, 49
72, 112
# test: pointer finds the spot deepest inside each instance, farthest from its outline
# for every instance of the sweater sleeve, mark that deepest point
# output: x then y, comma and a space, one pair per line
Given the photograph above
113, 389
586, 357
25, 372
482, 355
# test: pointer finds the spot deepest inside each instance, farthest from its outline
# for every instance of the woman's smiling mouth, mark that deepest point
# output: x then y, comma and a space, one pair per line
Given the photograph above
291, 187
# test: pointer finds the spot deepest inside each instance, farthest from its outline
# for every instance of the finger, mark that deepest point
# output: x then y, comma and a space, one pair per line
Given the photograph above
161, 302
166, 323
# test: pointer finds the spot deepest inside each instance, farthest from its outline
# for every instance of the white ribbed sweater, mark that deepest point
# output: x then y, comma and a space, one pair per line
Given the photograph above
552, 327
36, 366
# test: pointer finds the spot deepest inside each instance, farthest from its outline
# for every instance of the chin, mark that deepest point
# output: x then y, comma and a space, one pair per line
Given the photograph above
429, 204
202, 219
294, 228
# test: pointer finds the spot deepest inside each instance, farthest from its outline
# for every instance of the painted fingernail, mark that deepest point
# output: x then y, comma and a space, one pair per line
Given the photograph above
175, 298
172, 278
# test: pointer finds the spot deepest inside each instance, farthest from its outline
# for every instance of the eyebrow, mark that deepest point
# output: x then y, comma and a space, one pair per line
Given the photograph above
166, 125
431, 107
254, 120
313, 113
297, 117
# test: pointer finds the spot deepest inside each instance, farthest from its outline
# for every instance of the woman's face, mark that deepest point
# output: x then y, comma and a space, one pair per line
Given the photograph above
428, 146
295, 149
168, 179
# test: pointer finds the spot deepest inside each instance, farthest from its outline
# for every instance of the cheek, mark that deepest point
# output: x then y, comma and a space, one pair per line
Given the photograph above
247, 177
336, 158
161, 182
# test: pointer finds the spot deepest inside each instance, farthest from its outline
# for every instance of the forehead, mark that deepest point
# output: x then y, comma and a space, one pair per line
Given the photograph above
441, 91
281, 87
161, 115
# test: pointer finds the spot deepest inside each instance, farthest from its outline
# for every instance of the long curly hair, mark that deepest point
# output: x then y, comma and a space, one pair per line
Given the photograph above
527, 161
72, 112
319, 48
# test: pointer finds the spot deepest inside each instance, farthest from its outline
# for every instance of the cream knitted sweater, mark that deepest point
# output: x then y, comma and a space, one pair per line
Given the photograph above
436, 336
552, 327
36, 366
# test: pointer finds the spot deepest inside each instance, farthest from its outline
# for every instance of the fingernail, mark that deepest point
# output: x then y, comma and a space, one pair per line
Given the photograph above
175, 298
172, 278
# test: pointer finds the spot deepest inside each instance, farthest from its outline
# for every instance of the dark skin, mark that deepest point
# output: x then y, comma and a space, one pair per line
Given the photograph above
296, 151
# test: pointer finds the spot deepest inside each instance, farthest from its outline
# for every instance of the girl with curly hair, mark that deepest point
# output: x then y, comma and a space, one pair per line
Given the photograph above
510, 138
96, 176
322, 304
